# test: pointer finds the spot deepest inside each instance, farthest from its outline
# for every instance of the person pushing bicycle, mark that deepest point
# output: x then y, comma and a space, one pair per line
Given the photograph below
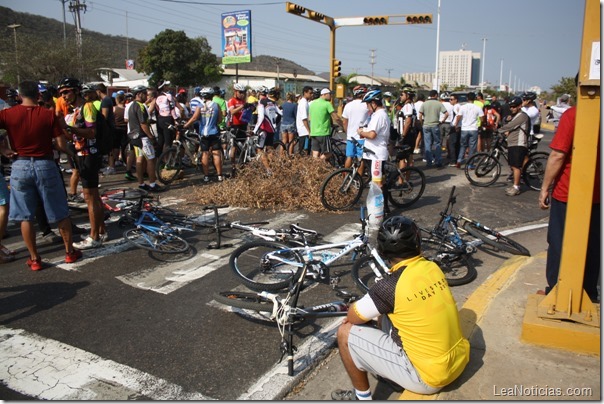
420, 345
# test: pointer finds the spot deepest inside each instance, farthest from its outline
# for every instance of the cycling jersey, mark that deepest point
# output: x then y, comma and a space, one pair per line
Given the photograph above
236, 117
166, 106
208, 119
268, 111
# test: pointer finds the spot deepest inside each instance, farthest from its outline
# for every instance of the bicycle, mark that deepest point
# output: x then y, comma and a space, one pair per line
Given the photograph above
286, 312
342, 188
484, 169
170, 163
268, 265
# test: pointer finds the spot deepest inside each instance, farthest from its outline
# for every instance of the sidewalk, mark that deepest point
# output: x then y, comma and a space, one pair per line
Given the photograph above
501, 367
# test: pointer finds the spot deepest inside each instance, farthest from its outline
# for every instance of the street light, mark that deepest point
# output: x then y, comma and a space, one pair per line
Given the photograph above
14, 28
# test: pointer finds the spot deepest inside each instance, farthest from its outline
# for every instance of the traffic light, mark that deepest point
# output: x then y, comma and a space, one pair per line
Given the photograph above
316, 16
337, 67
418, 19
294, 8
375, 20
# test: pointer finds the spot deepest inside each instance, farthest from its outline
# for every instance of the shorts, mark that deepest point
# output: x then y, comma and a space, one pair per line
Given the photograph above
516, 155
120, 140
89, 167
486, 134
240, 131
207, 143
146, 150
320, 144
32, 181
4, 192
353, 150
394, 136
376, 170
290, 128
374, 351
265, 139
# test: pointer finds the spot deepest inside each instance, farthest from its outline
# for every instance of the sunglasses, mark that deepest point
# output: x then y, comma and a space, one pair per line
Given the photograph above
66, 92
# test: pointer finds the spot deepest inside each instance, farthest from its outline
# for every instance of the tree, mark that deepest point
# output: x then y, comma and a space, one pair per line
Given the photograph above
347, 81
172, 56
565, 86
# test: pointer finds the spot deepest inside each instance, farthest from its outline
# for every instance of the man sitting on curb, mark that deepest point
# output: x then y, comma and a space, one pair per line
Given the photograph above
420, 345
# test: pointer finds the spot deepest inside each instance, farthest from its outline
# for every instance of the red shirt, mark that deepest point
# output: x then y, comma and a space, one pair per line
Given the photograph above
563, 142
30, 129
236, 118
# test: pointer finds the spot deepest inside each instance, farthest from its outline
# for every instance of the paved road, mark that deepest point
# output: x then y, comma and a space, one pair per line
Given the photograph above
125, 324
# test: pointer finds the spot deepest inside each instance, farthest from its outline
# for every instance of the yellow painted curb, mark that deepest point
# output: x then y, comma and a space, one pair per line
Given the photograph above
477, 305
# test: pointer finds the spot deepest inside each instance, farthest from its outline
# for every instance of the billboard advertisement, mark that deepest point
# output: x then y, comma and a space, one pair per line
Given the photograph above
236, 37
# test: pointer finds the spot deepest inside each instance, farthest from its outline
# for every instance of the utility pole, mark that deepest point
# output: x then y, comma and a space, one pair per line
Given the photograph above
484, 50
14, 28
127, 43
64, 25
75, 6
501, 75
510, 82
372, 62
436, 86
389, 70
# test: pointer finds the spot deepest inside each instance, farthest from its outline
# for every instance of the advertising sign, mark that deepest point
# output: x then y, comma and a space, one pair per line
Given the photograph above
236, 37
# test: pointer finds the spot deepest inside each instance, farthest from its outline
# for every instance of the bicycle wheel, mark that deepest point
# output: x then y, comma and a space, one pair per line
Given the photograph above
457, 266
534, 170
341, 189
157, 242
364, 272
168, 165
496, 239
280, 149
244, 300
482, 170
406, 187
256, 270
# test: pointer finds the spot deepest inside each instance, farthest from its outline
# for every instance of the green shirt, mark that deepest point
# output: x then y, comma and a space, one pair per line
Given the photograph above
319, 114
223, 107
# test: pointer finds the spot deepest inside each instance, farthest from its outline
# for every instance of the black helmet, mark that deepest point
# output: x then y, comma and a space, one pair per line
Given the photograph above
11, 93
515, 102
399, 237
138, 89
69, 82
86, 88
529, 95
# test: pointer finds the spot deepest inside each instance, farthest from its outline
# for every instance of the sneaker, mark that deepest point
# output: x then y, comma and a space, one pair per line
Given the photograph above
66, 170
75, 198
51, 237
206, 179
416, 151
102, 237
73, 256
34, 265
129, 176
343, 395
109, 171
154, 188
452, 164
63, 161
119, 163
87, 244
511, 191
220, 178
144, 187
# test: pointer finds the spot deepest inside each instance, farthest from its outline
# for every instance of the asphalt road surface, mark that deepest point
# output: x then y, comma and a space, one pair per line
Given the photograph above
124, 323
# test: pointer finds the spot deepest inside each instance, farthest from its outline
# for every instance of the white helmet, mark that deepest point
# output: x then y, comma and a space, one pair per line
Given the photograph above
206, 92
238, 87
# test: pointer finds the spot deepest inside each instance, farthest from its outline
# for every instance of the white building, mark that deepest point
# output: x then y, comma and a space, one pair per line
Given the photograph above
423, 79
459, 68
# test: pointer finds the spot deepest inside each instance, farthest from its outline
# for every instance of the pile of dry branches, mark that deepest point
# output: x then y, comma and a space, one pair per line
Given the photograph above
293, 185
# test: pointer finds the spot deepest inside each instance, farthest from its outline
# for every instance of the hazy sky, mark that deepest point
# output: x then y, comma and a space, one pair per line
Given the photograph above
539, 41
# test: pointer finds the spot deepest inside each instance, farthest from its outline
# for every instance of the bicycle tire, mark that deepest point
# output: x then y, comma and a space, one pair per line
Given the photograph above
496, 239
250, 264
410, 188
363, 272
280, 149
168, 166
236, 153
341, 189
455, 265
486, 170
534, 170
125, 193
244, 300
162, 243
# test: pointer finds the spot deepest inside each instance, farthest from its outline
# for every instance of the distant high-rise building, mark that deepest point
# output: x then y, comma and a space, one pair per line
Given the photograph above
459, 68
424, 79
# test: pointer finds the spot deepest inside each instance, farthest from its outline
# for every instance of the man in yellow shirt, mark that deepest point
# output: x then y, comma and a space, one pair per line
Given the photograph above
253, 100
420, 345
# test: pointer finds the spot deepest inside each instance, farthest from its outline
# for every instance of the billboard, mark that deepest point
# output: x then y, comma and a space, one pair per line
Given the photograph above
236, 37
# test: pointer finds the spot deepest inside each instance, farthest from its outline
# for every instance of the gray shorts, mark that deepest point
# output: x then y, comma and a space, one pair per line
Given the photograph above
374, 351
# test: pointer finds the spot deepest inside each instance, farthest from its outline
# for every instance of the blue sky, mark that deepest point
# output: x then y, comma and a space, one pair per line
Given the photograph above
538, 40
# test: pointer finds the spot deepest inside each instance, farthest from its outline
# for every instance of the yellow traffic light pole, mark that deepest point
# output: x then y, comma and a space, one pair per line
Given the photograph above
334, 23
566, 317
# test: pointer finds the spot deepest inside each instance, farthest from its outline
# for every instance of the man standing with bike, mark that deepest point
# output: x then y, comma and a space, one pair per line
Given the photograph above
435, 352
236, 107
354, 116
516, 131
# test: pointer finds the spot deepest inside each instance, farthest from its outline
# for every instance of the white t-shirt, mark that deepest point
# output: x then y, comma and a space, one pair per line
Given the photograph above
449, 109
356, 113
469, 116
302, 114
533, 113
406, 111
126, 109
380, 123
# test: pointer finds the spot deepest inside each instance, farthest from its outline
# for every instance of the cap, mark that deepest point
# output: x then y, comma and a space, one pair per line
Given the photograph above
564, 97
325, 91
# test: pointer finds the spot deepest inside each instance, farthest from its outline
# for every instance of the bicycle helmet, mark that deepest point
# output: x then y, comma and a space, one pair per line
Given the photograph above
138, 89
206, 92
42, 88
387, 94
374, 95
196, 90
529, 95
359, 90
238, 87
445, 96
69, 82
262, 90
399, 237
409, 91
515, 102
316, 93
274, 92
11, 93
86, 88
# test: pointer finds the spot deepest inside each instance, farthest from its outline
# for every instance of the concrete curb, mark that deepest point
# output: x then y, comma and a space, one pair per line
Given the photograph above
477, 305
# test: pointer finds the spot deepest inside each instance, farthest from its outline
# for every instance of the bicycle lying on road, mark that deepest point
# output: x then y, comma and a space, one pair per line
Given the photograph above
342, 188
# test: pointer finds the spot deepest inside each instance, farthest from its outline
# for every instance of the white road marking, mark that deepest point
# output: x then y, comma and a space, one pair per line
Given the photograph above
51, 370
524, 228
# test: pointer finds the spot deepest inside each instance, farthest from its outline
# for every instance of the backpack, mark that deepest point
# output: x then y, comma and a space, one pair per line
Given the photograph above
104, 134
